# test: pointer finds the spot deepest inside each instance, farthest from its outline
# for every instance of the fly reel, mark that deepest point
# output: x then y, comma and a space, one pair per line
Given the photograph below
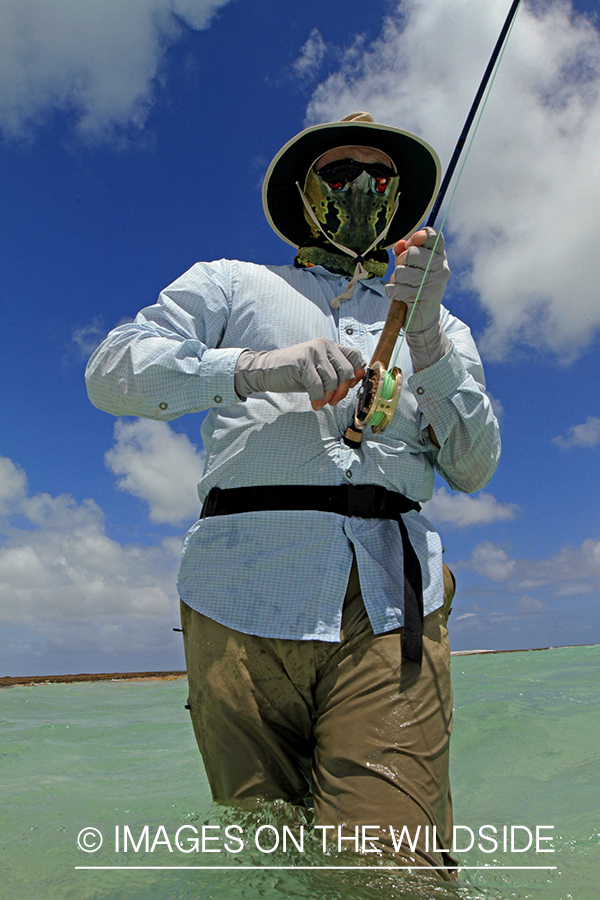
376, 404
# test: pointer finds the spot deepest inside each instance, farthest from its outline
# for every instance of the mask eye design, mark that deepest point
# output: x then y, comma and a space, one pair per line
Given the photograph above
352, 202
341, 172
381, 184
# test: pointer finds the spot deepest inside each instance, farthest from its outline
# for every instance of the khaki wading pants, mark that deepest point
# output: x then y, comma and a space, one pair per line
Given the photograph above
366, 734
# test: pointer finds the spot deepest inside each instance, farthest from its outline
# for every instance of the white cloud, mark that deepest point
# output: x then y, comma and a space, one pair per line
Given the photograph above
88, 337
518, 603
72, 598
311, 56
585, 435
497, 406
570, 571
462, 511
159, 466
531, 605
58, 562
13, 484
97, 60
532, 178
492, 561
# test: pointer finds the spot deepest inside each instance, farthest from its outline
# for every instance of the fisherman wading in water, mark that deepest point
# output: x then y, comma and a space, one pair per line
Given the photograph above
314, 597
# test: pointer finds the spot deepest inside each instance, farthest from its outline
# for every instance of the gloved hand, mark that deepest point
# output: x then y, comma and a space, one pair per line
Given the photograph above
325, 370
426, 339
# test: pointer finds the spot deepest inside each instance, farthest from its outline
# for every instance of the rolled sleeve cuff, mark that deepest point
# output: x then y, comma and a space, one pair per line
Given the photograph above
217, 368
440, 381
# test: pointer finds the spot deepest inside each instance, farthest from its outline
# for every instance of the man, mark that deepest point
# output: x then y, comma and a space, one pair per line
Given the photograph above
310, 554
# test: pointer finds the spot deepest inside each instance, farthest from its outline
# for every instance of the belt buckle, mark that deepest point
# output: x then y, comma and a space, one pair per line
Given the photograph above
209, 506
367, 501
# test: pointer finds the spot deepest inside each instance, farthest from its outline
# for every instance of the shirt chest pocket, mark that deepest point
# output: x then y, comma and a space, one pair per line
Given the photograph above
373, 333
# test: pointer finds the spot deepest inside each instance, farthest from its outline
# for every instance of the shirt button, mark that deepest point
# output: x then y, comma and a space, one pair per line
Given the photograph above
348, 473
218, 399
420, 390
347, 278
163, 405
349, 330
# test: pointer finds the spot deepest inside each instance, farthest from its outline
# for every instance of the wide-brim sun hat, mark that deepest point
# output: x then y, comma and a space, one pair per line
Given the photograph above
416, 162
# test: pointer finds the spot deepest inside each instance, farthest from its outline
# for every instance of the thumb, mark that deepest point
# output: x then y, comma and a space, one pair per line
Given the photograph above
433, 239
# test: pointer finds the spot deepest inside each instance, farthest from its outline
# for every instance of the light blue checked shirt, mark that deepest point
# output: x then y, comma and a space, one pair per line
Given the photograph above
284, 574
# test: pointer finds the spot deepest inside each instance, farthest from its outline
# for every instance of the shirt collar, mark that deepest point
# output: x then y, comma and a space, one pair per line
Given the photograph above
374, 284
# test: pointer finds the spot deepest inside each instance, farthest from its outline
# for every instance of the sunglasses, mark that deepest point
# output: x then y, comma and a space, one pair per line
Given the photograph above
341, 172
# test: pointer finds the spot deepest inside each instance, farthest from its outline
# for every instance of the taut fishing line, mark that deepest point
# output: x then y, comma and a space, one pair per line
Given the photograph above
457, 182
380, 390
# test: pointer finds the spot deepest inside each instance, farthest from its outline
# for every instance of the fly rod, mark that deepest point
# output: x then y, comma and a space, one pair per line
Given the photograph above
380, 390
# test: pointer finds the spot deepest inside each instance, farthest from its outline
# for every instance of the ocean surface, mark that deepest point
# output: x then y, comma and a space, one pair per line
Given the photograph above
119, 757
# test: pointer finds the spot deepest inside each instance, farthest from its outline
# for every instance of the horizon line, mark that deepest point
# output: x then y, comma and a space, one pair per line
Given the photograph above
172, 674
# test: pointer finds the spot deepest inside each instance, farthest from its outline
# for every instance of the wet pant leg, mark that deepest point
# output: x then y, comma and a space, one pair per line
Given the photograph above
372, 731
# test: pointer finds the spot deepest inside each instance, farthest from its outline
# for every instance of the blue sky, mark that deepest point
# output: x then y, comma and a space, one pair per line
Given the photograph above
134, 138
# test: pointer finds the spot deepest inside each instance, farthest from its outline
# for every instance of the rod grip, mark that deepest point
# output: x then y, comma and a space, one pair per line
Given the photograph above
389, 335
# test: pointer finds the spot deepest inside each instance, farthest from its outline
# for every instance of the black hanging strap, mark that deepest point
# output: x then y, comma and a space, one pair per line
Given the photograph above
368, 501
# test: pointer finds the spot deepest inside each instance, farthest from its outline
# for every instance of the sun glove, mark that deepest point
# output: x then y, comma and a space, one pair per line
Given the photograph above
426, 339
314, 367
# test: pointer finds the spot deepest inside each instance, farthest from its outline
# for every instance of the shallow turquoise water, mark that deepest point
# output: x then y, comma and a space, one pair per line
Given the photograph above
525, 753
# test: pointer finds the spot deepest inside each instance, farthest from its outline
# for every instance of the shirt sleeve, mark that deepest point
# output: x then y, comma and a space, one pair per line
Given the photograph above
451, 396
168, 362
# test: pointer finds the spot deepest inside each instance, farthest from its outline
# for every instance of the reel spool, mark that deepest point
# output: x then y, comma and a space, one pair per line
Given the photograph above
376, 404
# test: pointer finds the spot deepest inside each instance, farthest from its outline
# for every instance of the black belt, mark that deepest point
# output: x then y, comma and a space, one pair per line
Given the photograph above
368, 501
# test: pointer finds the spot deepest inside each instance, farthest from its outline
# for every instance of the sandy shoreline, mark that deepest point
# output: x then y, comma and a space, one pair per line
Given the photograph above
9, 681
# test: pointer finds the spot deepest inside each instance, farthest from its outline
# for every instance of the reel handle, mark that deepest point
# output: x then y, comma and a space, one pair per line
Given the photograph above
383, 354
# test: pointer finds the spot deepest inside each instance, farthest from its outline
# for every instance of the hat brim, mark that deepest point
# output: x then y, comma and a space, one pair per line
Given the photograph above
416, 162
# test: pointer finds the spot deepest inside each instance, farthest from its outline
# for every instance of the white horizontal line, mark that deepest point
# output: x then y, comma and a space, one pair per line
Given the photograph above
344, 868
